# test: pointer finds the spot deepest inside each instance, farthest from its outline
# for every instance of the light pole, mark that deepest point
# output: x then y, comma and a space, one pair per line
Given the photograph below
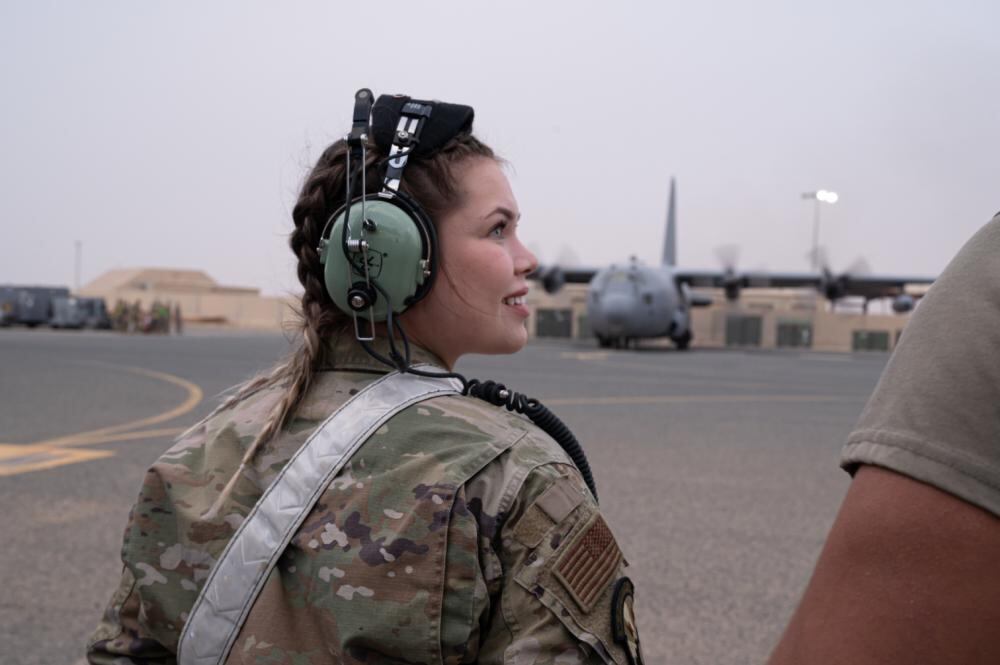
79, 260
819, 196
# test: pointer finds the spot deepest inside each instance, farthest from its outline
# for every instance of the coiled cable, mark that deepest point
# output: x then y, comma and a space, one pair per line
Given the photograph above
498, 395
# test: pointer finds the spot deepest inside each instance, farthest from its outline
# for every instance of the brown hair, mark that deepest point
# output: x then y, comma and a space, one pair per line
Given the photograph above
432, 182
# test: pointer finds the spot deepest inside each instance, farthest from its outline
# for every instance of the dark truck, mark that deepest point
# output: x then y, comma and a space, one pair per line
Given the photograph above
34, 304
29, 305
72, 312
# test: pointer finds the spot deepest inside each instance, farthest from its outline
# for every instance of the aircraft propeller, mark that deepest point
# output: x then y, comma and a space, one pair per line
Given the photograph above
551, 277
836, 285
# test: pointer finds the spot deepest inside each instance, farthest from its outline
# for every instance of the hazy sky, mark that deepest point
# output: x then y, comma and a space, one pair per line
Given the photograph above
177, 133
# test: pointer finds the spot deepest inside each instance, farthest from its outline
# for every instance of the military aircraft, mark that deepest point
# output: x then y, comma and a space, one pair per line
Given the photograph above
633, 301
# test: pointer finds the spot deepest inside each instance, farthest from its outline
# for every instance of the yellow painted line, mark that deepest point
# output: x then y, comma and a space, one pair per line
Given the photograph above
47, 458
690, 399
9, 450
25, 458
585, 355
122, 436
194, 396
14, 450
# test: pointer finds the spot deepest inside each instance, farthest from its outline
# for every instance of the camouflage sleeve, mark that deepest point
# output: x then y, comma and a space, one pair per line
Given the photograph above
466, 599
562, 594
119, 638
172, 538
137, 626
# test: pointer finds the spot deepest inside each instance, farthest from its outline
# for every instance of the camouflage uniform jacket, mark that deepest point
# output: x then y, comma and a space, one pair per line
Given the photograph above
457, 533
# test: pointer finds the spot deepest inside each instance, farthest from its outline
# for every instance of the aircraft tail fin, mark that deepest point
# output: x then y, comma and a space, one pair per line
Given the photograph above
670, 241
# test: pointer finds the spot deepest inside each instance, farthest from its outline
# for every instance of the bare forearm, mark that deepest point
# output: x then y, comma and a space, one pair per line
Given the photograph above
908, 575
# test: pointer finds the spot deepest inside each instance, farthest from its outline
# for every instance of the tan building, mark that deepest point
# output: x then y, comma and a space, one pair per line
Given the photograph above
761, 318
201, 299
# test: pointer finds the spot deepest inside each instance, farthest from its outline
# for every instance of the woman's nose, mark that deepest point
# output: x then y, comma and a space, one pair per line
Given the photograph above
525, 262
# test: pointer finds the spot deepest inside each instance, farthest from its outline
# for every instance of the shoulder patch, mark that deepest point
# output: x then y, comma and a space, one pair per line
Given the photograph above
589, 562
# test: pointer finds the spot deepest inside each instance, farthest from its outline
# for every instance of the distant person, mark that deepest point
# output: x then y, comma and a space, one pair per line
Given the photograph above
155, 312
178, 320
161, 317
135, 317
909, 572
119, 316
436, 527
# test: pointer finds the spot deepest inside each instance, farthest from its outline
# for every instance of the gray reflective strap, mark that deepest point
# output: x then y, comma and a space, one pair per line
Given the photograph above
239, 575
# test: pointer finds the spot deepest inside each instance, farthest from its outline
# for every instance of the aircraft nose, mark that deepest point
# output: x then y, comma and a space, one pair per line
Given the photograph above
616, 310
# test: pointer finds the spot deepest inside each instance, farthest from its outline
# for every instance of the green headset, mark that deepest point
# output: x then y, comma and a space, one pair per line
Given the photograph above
379, 252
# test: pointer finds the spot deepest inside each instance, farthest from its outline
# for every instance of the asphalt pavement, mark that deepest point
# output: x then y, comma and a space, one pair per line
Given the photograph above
717, 471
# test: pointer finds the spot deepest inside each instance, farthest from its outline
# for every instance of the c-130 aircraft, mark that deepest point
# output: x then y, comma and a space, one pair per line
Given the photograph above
635, 301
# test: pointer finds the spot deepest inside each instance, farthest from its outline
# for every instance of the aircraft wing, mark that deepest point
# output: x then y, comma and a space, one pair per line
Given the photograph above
832, 285
873, 286
836, 285
579, 275
721, 279
704, 278
553, 277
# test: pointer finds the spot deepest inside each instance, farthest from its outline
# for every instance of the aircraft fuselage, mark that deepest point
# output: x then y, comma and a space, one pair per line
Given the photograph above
635, 301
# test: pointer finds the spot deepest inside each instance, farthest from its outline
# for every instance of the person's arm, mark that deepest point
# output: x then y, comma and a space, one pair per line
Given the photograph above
909, 574
120, 637
563, 580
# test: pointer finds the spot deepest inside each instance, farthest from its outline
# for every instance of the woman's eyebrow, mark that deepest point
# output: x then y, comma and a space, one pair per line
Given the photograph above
506, 212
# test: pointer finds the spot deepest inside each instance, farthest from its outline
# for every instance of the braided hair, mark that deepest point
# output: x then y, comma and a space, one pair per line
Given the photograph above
431, 181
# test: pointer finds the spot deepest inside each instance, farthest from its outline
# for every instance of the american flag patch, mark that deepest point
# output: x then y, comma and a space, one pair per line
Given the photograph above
589, 563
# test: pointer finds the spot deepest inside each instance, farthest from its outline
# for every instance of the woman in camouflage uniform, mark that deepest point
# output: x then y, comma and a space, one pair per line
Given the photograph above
459, 532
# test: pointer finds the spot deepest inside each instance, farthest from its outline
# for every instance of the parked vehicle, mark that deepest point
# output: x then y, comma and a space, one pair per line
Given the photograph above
28, 305
34, 304
71, 312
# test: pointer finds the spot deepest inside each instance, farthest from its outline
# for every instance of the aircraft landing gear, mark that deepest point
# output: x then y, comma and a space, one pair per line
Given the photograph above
682, 342
615, 342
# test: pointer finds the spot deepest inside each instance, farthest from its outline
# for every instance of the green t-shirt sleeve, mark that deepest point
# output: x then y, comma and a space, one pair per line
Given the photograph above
935, 414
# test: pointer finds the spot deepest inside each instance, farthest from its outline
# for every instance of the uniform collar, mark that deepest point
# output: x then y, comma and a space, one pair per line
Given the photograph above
343, 352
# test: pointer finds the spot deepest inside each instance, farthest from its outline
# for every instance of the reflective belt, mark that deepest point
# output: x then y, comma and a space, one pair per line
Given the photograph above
241, 571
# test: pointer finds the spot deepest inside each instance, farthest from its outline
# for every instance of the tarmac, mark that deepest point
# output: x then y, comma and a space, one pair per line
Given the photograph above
717, 471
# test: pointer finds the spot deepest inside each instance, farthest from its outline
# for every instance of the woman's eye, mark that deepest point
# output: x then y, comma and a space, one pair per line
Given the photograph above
498, 230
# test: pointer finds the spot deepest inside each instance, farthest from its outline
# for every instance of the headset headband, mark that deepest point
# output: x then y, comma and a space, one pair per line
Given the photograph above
400, 123
412, 119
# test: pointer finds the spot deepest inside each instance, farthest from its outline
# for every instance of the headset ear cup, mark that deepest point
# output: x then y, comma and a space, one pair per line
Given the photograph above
428, 234
397, 256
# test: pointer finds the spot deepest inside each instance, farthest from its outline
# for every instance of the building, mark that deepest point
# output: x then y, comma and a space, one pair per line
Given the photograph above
201, 299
